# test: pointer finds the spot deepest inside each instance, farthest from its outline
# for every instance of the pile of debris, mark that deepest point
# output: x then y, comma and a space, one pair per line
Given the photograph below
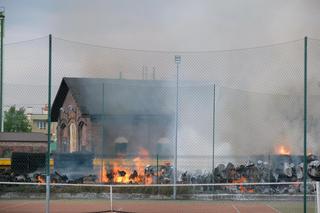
164, 176
148, 175
7, 175
287, 172
279, 170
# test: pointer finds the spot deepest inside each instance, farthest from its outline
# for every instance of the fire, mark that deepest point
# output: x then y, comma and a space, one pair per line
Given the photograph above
282, 150
241, 187
117, 171
120, 174
40, 179
103, 175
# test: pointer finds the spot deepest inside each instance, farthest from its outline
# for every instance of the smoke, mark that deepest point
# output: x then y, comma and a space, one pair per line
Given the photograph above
259, 99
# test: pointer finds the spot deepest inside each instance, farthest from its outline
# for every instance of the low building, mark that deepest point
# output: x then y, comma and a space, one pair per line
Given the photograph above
111, 117
22, 142
39, 123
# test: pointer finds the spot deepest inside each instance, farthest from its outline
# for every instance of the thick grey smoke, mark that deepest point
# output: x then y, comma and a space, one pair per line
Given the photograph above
259, 102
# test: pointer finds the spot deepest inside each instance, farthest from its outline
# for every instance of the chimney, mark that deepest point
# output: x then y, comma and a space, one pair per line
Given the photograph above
29, 112
45, 109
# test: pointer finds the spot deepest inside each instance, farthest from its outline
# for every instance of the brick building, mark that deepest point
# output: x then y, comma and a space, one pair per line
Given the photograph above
22, 142
114, 117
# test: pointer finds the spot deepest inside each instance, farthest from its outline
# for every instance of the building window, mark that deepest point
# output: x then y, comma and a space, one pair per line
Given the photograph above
73, 138
163, 146
121, 145
41, 124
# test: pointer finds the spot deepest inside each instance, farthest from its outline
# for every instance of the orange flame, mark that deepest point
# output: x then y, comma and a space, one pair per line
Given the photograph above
241, 187
40, 179
103, 175
282, 150
118, 172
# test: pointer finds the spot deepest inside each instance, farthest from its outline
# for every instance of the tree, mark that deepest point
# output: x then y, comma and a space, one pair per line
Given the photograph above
16, 120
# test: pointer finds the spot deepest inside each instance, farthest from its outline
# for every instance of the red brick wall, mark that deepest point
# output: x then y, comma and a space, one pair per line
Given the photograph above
71, 114
22, 147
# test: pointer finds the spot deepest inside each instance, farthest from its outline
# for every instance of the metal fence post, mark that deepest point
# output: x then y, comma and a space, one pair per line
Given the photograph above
305, 128
49, 128
1, 69
157, 168
111, 204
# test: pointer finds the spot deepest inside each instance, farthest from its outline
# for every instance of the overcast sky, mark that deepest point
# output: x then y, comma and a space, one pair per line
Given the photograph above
164, 24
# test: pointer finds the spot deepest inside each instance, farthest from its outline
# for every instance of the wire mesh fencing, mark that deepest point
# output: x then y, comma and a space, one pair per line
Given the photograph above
313, 86
151, 117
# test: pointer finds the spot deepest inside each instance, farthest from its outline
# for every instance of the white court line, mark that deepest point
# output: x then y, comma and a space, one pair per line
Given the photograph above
274, 209
13, 206
235, 208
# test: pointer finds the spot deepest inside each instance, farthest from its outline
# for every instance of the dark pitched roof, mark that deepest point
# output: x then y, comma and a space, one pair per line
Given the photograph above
23, 137
97, 96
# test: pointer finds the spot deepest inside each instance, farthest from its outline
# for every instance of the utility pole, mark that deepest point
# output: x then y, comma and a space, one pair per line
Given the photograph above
1, 66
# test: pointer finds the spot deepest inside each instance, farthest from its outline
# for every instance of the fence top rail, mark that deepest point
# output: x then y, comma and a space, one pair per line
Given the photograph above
157, 185
157, 51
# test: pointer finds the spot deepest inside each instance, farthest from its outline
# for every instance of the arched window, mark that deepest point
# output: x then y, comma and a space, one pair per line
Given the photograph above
121, 145
80, 135
82, 143
63, 138
73, 137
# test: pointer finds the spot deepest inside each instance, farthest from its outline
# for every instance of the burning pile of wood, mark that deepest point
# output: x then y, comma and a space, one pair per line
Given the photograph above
7, 175
115, 173
282, 170
138, 171
78, 168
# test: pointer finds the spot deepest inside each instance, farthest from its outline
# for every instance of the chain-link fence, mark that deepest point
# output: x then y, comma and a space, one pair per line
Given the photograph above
152, 117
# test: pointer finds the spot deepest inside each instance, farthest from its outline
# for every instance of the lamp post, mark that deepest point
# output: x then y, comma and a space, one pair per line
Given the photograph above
177, 61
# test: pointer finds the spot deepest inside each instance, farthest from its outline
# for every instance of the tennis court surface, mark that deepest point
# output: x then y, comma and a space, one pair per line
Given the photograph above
95, 206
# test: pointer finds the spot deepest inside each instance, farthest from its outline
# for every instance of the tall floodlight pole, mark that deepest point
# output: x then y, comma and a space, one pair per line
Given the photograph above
178, 61
49, 128
305, 127
1, 67
213, 128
